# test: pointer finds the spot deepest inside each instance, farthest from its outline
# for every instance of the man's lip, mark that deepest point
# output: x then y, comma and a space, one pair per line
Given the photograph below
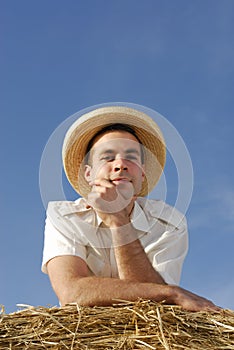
121, 179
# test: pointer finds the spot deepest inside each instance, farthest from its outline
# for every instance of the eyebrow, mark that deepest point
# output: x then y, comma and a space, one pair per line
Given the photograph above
127, 151
132, 150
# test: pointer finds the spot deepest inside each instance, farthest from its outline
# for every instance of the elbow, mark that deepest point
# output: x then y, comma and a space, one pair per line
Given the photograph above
73, 293
78, 299
68, 296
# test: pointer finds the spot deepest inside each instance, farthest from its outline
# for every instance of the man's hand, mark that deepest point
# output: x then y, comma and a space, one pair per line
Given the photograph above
112, 199
192, 302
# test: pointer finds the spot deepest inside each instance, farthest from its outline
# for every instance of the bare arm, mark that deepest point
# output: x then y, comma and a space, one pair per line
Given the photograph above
70, 280
132, 261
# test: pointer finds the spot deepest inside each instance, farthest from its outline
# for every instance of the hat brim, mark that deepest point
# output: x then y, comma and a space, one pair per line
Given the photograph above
87, 126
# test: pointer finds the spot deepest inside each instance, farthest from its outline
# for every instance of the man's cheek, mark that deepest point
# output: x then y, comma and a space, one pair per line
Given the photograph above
98, 172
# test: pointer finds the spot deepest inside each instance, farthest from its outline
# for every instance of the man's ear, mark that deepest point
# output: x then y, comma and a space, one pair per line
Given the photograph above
87, 173
143, 171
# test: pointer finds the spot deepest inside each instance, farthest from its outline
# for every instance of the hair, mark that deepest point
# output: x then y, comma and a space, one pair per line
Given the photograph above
110, 128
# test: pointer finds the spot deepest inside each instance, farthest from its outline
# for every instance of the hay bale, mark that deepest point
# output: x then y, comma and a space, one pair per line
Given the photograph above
139, 325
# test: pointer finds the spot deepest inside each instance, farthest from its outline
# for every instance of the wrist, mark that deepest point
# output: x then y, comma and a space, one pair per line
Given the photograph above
172, 294
115, 221
124, 234
119, 223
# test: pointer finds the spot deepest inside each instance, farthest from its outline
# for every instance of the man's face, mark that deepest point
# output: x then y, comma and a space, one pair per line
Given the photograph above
116, 156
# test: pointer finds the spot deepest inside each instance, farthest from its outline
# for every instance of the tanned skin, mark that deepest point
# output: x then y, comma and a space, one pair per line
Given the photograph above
115, 173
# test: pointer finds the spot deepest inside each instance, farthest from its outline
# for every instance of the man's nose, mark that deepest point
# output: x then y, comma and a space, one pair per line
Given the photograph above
120, 164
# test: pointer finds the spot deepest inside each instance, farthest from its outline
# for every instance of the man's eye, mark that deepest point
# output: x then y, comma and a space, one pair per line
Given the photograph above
131, 157
107, 158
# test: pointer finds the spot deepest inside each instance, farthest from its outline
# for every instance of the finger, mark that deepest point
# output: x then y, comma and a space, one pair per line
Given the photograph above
102, 182
214, 308
110, 192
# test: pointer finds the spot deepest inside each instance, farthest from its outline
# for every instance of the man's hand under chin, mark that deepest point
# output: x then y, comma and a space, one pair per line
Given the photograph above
112, 196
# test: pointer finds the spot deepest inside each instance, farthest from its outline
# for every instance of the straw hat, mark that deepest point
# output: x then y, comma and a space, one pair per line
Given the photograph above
88, 125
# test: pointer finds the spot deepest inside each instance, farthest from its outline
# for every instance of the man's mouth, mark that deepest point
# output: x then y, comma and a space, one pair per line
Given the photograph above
119, 180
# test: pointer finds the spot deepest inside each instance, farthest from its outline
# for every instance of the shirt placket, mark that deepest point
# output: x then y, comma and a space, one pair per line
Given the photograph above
104, 236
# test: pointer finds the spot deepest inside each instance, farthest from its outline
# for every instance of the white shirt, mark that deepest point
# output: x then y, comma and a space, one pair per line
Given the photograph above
72, 229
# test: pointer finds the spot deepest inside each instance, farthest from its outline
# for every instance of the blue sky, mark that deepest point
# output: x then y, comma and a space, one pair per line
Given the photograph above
175, 57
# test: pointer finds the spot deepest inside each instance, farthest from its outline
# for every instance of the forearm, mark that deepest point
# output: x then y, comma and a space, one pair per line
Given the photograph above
90, 291
94, 291
132, 261
69, 279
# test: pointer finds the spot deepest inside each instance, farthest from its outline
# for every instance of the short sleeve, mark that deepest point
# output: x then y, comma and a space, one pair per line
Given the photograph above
167, 254
60, 238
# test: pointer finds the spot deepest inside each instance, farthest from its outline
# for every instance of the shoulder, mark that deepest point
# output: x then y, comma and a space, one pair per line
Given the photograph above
63, 208
65, 214
162, 211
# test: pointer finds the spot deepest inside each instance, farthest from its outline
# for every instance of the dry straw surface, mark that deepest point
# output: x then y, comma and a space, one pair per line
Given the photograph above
139, 325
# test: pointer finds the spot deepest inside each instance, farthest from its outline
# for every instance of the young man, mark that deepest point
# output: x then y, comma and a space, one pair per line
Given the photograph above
113, 243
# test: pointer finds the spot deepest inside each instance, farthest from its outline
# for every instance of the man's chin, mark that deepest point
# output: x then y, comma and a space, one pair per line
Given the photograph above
125, 189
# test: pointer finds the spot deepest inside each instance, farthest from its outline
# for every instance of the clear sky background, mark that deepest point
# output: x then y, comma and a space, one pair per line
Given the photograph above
173, 56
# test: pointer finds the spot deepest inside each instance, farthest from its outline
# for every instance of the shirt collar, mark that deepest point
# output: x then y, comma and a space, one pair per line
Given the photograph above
157, 210
163, 212
138, 217
77, 206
